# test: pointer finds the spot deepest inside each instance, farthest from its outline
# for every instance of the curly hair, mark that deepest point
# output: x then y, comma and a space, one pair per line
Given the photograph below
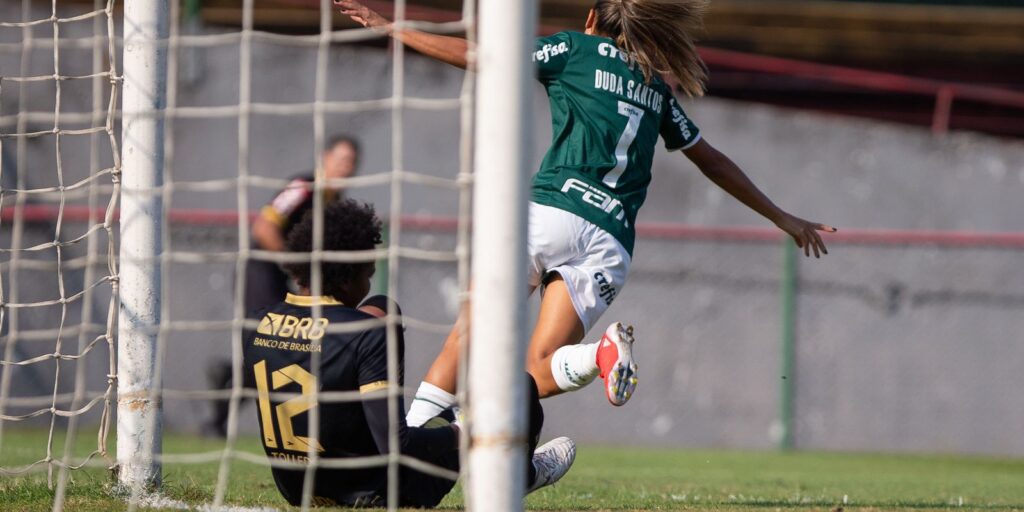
348, 226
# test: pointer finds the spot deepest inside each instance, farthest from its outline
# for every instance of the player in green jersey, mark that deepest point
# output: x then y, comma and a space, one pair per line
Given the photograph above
609, 105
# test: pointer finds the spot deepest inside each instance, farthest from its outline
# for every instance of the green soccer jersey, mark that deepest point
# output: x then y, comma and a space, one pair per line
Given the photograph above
606, 121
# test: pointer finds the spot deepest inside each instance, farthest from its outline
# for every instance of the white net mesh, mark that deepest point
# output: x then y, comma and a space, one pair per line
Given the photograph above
248, 107
58, 295
224, 97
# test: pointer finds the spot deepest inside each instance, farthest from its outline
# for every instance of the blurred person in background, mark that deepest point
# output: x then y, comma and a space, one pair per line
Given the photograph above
265, 282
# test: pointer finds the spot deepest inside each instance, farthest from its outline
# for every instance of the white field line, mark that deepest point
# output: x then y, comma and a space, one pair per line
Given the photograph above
157, 501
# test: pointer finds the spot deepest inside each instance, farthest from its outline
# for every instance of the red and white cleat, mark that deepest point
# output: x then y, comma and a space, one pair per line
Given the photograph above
615, 360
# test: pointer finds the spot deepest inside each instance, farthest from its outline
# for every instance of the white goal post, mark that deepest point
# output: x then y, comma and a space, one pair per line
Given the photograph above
496, 478
139, 411
497, 402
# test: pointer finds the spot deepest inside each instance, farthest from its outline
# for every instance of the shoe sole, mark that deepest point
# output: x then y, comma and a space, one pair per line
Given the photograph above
622, 378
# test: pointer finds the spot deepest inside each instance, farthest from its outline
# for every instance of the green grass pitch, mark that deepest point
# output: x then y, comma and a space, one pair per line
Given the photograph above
603, 478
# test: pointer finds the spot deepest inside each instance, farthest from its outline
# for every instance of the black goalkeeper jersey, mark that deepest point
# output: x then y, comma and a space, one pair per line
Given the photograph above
277, 360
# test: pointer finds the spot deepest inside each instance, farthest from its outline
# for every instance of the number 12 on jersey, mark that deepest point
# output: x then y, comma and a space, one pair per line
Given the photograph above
635, 114
287, 409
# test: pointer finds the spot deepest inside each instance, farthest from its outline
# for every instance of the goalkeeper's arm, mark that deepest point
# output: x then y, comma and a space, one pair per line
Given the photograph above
451, 50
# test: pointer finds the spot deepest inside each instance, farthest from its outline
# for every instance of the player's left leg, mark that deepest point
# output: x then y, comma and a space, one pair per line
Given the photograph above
560, 363
578, 291
558, 326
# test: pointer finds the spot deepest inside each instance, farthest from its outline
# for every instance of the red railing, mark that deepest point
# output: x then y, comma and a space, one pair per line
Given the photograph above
944, 92
648, 230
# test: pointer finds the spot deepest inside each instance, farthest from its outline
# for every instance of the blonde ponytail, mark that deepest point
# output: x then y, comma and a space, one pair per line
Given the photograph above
659, 36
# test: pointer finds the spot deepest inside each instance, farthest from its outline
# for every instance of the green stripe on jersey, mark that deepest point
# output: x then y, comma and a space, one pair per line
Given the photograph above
606, 121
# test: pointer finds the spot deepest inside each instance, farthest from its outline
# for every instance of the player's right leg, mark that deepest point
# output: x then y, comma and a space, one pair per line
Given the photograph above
437, 391
548, 464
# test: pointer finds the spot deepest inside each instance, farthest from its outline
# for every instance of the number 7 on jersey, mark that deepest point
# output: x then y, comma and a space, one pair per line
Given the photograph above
635, 114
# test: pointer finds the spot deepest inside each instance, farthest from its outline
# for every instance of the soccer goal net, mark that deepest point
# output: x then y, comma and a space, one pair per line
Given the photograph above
140, 140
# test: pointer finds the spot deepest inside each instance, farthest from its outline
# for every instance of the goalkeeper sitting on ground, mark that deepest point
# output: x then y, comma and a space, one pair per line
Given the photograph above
277, 361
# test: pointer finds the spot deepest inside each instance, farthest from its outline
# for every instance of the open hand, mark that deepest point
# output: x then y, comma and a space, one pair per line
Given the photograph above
805, 234
364, 15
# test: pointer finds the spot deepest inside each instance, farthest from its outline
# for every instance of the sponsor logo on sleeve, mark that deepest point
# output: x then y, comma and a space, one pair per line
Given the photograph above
679, 118
547, 51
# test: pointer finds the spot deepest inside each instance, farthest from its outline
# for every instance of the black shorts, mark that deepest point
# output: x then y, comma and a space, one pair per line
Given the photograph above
342, 487
420, 490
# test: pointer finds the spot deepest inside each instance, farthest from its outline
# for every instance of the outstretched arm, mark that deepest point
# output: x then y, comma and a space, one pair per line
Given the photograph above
268, 236
451, 50
727, 175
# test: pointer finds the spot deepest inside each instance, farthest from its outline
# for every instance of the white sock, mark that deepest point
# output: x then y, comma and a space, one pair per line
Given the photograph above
574, 366
429, 402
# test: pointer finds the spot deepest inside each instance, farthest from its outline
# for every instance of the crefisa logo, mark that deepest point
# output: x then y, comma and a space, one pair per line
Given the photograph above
549, 50
606, 291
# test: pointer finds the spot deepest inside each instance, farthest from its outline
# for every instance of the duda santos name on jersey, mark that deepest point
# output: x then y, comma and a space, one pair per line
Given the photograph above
638, 92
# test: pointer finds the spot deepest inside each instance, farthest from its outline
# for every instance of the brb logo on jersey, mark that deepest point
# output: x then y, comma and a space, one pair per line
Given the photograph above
549, 50
595, 197
287, 326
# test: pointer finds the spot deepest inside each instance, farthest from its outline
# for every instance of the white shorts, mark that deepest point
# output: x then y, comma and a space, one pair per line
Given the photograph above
590, 260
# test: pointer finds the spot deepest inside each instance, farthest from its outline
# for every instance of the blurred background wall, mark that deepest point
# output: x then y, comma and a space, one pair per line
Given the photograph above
900, 342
